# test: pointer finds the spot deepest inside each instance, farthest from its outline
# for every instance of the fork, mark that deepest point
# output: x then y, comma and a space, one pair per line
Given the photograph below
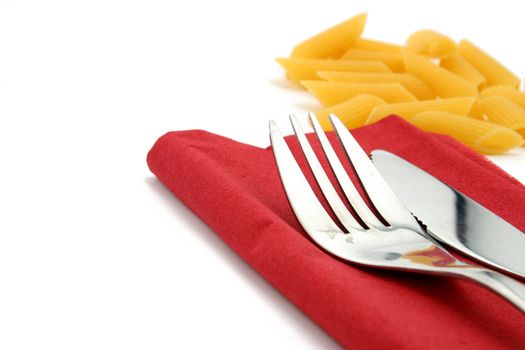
393, 239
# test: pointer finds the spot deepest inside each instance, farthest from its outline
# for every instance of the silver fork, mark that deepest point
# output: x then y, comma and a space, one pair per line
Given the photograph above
398, 244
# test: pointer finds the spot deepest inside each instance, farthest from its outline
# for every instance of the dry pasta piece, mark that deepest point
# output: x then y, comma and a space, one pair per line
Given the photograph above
353, 112
431, 43
331, 93
376, 45
480, 135
495, 73
413, 84
459, 105
512, 94
334, 41
394, 61
443, 82
306, 68
460, 66
502, 111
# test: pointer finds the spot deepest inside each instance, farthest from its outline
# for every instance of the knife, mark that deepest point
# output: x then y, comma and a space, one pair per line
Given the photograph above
453, 218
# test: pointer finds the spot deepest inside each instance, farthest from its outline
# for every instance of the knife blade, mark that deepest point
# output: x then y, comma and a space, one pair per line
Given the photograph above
453, 218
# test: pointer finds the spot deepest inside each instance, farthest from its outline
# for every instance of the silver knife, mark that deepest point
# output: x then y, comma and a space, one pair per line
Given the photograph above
453, 218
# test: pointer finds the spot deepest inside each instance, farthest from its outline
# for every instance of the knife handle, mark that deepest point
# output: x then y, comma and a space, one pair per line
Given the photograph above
509, 288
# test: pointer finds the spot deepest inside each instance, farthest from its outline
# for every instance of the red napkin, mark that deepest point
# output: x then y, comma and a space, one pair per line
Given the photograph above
235, 189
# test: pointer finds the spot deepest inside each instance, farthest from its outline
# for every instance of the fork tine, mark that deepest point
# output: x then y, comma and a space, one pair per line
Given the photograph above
350, 191
310, 212
333, 199
377, 189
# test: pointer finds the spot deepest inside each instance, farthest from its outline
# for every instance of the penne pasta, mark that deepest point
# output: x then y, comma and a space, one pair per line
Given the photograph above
442, 86
412, 83
480, 135
512, 94
495, 73
459, 105
394, 61
353, 112
331, 93
460, 66
431, 43
332, 42
298, 69
443, 82
375, 45
502, 111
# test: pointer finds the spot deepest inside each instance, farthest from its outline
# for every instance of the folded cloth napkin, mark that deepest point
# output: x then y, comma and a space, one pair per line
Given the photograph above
235, 188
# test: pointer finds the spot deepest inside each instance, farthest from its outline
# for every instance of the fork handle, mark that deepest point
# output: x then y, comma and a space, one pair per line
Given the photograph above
509, 288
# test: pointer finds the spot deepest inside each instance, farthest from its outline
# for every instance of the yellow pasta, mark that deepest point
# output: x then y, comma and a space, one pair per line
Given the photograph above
440, 85
512, 94
412, 83
502, 111
332, 42
306, 68
443, 82
482, 136
459, 105
431, 43
353, 112
495, 73
394, 61
460, 66
375, 45
331, 93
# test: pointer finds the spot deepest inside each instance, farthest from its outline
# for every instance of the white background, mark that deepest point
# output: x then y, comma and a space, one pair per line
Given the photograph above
94, 252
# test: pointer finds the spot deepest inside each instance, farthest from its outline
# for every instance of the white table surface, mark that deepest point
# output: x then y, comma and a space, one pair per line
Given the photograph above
94, 252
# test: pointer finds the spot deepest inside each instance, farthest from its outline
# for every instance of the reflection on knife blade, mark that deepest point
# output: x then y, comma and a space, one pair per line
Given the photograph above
453, 218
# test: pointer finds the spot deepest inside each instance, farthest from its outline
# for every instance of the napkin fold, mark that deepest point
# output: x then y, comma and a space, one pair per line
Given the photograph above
235, 188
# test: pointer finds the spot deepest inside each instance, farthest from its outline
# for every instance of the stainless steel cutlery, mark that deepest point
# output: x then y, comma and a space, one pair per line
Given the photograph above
453, 218
393, 241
